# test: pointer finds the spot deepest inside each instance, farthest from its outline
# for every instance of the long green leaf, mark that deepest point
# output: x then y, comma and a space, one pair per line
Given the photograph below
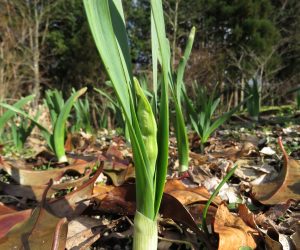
60, 124
101, 92
180, 128
155, 59
99, 17
163, 126
183, 62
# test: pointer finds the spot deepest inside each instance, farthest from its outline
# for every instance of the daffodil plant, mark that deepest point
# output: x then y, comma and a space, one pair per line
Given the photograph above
203, 121
149, 138
55, 138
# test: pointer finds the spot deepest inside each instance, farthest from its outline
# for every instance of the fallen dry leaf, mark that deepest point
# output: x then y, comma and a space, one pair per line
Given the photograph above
286, 186
5, 209
233, 231
277, 241
295, 237
24, 174
42, 230
74, 203
120, 177
172, 208
119, 200
83, 231
8, 220
187, 195
247, 216
35, 192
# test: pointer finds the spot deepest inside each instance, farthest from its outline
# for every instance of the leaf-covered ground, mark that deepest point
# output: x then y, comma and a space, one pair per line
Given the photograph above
91, 202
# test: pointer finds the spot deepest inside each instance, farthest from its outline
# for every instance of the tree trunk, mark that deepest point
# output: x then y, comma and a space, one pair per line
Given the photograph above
36, 55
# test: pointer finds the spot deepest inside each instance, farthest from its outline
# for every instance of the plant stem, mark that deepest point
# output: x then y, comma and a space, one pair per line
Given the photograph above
145, 233
201, 147
62, 159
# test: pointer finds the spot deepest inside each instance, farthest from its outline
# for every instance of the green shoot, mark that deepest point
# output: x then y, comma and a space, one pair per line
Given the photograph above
176, 90
214, 194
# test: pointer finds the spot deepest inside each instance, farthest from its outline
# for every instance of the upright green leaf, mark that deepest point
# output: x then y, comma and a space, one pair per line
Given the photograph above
163, 126
59, 129
183, 62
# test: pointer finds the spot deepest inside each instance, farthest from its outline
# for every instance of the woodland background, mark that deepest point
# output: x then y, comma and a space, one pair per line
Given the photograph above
47, 44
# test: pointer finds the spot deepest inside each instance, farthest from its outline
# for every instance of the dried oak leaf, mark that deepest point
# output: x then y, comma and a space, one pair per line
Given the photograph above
24, 174
233, 231
74, 203
42, 230
8, 220
286, 186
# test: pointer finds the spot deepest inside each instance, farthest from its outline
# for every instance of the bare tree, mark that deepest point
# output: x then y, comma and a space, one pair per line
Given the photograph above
23, 33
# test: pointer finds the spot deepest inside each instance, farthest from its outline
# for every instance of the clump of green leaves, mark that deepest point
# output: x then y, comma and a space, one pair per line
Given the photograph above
54, 101
201, 117
59, 113
82, 115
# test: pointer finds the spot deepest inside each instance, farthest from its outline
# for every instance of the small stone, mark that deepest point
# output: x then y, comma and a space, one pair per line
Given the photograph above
267, 151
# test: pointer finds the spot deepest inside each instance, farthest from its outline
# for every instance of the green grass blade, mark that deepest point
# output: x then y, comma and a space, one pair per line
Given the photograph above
83, 115
298, 99
54, 101
214, 106
180, 128
59, 129
9, 113
214, 194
